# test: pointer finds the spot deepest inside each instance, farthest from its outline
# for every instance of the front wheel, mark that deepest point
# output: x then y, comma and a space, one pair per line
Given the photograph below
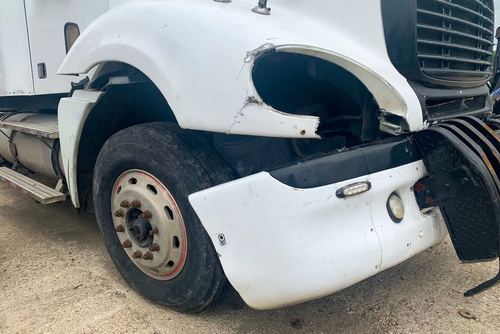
142, 180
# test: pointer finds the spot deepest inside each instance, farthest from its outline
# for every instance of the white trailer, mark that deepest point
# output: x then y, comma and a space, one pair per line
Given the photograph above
294, 151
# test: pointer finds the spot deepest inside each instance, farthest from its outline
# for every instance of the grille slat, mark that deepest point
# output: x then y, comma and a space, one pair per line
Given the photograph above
455, 46
449, 59
456, 75
454, 19
451, 5
481, 4
455, 38
454, 32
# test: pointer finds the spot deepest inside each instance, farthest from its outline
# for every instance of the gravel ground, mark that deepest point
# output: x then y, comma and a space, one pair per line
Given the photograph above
56, 277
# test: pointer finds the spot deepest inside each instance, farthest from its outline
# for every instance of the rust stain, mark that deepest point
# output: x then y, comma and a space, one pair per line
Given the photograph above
147, 214
154, 247
419, 187
154, 231
119, 213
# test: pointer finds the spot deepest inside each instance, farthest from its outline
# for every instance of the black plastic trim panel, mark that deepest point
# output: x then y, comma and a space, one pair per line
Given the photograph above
348, 164
30, 102
428, 95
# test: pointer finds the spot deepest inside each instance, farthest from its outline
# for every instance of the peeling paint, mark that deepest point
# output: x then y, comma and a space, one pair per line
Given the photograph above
252, 99
253, 54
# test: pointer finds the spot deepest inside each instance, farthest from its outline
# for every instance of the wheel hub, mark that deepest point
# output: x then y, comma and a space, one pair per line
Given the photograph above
141, 228
149, 224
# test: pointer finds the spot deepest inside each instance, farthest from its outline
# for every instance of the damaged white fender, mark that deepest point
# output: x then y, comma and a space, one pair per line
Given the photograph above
201, 58
72, 114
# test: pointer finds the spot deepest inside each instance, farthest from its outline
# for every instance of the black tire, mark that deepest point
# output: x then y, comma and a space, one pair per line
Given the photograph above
183, 164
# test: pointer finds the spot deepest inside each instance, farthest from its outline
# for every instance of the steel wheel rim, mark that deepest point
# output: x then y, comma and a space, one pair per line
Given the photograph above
149, 224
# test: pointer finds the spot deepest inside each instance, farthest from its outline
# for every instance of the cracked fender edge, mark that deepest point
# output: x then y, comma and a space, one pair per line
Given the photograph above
262, 120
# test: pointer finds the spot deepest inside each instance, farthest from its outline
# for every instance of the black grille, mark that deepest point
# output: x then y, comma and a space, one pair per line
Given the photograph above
437, 109
455, 38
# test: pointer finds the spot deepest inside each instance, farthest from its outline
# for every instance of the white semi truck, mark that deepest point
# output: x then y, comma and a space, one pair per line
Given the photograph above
293, 151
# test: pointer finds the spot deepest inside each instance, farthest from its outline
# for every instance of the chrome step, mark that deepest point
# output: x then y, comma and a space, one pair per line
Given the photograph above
35, 189
39, 130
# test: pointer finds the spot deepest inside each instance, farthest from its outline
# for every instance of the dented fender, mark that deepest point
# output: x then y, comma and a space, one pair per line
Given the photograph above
204, 70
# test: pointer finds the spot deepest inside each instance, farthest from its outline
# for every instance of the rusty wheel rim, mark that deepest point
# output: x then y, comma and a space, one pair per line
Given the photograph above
149, 224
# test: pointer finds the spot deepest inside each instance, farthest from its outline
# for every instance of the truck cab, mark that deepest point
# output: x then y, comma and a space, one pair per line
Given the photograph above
293, 151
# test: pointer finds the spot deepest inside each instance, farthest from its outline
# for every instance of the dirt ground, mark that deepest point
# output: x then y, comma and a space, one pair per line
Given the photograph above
56, 277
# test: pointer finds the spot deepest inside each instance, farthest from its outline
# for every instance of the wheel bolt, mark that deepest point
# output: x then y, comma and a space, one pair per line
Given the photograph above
124, 204
146, 214
154, 247
127, 243
119, 213
148, 256
154, 231
137, 254
120, 228
135, 204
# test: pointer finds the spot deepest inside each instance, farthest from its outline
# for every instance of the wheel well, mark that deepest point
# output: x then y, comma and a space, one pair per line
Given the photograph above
304, 85
291, 82
130, 98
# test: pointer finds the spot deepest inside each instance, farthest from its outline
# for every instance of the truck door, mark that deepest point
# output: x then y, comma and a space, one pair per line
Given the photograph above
15, 66
52, 26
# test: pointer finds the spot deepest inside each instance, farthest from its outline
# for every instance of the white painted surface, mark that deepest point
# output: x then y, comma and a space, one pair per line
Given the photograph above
72, 114
195, 51
46, 21
285, 245
15, 64
416, 232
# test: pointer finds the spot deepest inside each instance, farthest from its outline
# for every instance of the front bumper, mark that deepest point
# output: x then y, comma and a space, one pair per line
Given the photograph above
281, 245
286, 237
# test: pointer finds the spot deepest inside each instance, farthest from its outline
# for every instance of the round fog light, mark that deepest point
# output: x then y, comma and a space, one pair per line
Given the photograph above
395, 208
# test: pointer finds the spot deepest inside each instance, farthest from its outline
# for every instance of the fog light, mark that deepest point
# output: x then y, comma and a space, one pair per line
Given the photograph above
395, 208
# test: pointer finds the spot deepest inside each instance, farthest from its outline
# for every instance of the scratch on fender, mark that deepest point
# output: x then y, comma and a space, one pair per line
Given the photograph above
248, 100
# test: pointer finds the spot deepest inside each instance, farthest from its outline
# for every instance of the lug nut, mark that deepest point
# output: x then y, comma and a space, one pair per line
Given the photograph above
154, 231
127, 243
135, 204
148, 256
119, 213
154, 247
137, 254
124, 204
120, 228
146, 214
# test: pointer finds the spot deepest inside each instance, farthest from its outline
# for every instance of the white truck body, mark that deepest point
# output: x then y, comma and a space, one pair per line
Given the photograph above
279, 242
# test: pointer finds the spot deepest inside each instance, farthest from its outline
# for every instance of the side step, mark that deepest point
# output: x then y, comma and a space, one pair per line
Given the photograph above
46, 131
37, 190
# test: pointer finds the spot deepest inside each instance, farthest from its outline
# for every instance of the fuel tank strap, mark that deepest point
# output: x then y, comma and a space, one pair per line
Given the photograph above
463, 161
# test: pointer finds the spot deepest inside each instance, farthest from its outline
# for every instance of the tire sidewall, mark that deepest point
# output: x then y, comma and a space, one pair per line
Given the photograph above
179, 173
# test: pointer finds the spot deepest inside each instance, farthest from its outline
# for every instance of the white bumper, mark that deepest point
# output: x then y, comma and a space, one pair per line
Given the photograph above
280, 245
